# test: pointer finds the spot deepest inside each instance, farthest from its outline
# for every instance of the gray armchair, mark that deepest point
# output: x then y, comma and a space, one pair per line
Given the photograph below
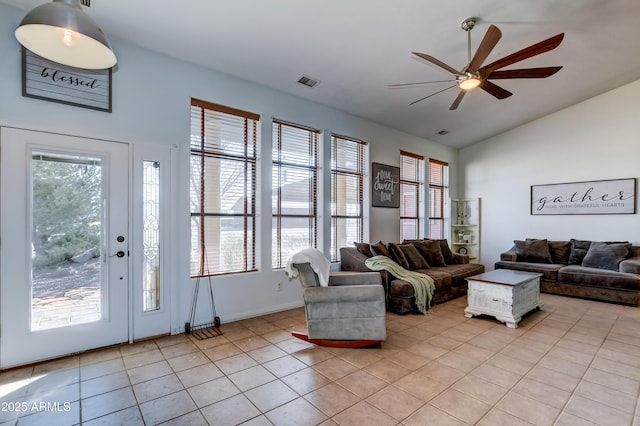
351, 308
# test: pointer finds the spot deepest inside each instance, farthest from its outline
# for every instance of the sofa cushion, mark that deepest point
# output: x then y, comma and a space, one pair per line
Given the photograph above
402, 288
431, 251
595, 277
363, 248
380, 249
413, 256
578, 251
459, 273
398, 255
549, 271
560, 251
533, 251
605, 256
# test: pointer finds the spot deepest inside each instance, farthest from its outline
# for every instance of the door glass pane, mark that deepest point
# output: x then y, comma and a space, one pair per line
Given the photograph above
151, 236
66, 230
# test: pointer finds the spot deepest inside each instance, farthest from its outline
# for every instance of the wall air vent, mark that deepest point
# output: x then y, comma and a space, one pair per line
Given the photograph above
308, 81
86, 3
443, 132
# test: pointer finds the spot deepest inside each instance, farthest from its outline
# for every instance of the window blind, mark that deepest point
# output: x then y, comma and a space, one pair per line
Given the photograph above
294, 190
438, 187
411, 186
348, 170
222, 189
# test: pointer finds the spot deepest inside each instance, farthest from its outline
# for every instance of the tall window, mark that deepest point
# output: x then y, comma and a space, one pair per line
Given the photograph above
348, 169
294, 190
438, 194
223, 189
411, 202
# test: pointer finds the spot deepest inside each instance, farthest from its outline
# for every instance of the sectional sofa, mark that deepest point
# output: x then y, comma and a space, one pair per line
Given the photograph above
430, 257
605, 271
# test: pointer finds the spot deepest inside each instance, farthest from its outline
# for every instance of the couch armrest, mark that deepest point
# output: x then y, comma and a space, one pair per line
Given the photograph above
630, 265
509, 255
352, 260
339, 295
338, 279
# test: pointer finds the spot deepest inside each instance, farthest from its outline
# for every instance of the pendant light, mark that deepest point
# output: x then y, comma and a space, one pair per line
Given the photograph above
61, 32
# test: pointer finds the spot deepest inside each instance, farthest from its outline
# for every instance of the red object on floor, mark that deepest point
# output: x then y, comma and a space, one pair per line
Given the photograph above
335, 343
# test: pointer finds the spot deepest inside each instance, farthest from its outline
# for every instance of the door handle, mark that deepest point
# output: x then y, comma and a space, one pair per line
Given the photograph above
119, 254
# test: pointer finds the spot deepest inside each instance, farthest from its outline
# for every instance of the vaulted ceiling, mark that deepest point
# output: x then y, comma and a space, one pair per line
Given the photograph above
357, 48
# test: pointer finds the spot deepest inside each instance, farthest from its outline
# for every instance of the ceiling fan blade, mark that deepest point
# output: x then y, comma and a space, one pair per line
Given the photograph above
491, 38
437, 62
525, 73
495, 90
433, 94
527, 52
420, 82
457, 101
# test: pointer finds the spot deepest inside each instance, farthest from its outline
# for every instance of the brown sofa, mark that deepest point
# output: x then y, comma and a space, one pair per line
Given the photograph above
447, 269
605, 271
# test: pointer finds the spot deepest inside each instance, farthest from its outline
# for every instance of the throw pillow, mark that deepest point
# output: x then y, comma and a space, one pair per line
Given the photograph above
431, 251
363, 248
532, 250
560, 251
413, 256
398, 255
605, 256
379, 249
446, 251
578, 251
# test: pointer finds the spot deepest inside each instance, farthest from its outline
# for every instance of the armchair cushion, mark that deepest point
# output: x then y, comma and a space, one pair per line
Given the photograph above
337, 279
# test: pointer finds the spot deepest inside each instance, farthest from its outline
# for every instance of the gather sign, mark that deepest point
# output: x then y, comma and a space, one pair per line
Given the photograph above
615, 196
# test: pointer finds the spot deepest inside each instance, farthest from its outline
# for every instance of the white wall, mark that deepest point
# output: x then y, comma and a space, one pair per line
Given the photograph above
594, 140
151, 98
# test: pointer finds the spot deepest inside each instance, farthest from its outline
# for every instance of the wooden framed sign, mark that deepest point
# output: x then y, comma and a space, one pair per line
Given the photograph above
50, 81
615, 196
385, 185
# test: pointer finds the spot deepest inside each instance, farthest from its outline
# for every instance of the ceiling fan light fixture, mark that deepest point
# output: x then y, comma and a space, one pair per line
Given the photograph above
61, 32
469, 83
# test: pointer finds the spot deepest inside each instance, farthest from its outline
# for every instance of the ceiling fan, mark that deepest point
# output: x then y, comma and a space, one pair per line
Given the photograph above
475, 75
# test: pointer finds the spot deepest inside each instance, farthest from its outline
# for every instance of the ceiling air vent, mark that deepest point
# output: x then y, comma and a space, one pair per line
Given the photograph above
86, 3
308, 81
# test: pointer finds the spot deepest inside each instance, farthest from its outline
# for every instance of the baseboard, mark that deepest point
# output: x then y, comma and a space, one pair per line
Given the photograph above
256, 313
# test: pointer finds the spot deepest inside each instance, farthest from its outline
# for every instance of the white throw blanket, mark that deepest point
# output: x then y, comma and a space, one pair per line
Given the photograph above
423, 286
313, 256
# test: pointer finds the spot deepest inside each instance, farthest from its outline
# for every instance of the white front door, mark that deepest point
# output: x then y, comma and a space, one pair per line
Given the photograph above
64, 257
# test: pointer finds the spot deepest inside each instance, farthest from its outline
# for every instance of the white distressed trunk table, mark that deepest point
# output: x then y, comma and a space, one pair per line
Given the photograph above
504, 294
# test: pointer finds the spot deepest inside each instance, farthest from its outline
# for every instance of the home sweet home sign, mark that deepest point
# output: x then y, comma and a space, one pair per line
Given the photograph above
50, 81
385, 185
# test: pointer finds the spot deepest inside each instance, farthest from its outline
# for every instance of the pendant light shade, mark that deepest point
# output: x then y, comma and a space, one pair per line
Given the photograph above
61, 32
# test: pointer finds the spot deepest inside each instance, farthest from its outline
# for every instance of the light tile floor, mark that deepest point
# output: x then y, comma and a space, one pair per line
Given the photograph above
575, 363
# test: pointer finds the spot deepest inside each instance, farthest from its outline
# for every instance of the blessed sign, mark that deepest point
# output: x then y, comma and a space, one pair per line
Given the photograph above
385, 190
617, 196
50, 81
